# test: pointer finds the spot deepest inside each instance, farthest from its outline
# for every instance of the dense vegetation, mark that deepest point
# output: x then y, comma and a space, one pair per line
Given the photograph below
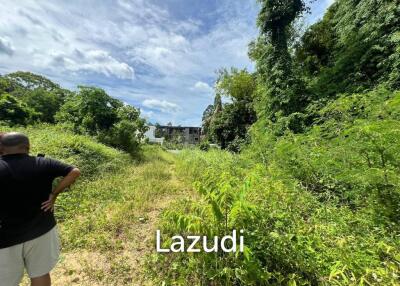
321, 207
354, 48
316, 184
27, 99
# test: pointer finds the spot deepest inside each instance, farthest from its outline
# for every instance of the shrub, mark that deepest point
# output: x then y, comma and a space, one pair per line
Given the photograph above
204, 146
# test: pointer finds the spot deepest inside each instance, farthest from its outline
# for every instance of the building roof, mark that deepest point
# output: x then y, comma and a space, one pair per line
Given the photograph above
180, 127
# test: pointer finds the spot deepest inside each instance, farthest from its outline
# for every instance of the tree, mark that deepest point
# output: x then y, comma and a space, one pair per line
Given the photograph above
28, 80
229, 128
5, 85
315, 49
90, 110
281, 92
227, 124
354, 48
14, 111
38, 92
128, 132
206, 118
209, 115
238, 85
45, 103
93, 111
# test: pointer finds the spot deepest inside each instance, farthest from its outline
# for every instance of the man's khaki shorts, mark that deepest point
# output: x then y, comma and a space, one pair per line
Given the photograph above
38, 256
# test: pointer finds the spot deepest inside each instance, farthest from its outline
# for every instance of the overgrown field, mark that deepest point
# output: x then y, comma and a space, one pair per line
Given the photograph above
107, 219
318, 208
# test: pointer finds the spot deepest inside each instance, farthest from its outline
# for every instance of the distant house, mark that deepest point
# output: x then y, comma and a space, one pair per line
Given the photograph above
188, 135
151, 135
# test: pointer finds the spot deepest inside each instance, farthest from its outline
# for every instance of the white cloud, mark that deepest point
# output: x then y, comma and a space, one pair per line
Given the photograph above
6, 46
96, 61
161, 105
143, 9
202, 87
147, 114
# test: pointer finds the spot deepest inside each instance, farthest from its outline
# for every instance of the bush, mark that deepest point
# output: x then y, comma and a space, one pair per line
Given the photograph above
204, 146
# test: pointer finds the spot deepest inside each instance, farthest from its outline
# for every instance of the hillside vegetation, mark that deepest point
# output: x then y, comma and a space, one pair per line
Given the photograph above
315, 182
317, 208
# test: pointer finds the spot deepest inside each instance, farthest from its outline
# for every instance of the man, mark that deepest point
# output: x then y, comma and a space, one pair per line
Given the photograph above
28, 233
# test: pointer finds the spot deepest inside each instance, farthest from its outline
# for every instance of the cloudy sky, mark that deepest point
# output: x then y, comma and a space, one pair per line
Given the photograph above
158, 55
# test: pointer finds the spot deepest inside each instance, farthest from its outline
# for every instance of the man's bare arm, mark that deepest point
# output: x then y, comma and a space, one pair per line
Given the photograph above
67, 181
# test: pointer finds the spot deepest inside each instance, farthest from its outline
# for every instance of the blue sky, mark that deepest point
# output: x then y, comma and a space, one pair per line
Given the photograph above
158, 55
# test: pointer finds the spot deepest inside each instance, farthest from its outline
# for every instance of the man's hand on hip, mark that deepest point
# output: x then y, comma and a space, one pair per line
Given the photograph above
49, 204
62, 185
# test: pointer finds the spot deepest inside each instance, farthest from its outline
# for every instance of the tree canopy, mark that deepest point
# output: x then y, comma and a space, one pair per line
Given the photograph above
27, 98
227, 124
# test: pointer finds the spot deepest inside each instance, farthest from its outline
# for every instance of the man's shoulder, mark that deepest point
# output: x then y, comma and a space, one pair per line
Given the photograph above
40, 161
44, 160
2, 162
30, 158
49, 161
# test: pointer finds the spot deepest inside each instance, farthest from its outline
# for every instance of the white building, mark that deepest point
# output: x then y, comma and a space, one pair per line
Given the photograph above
151, 135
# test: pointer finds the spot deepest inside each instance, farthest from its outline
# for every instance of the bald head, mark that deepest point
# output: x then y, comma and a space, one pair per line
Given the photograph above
14, 142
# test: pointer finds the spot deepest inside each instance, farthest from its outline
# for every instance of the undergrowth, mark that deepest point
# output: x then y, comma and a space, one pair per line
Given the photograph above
319, 208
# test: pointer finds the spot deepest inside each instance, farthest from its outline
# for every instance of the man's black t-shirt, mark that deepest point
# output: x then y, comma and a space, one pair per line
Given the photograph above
25, 183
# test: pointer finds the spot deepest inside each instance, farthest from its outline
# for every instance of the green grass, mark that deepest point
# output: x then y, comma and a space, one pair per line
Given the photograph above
58, 142
115, 218
109, 214
114, 202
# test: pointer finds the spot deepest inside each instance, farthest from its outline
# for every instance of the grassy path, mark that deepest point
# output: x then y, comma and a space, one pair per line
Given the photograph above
108, 244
